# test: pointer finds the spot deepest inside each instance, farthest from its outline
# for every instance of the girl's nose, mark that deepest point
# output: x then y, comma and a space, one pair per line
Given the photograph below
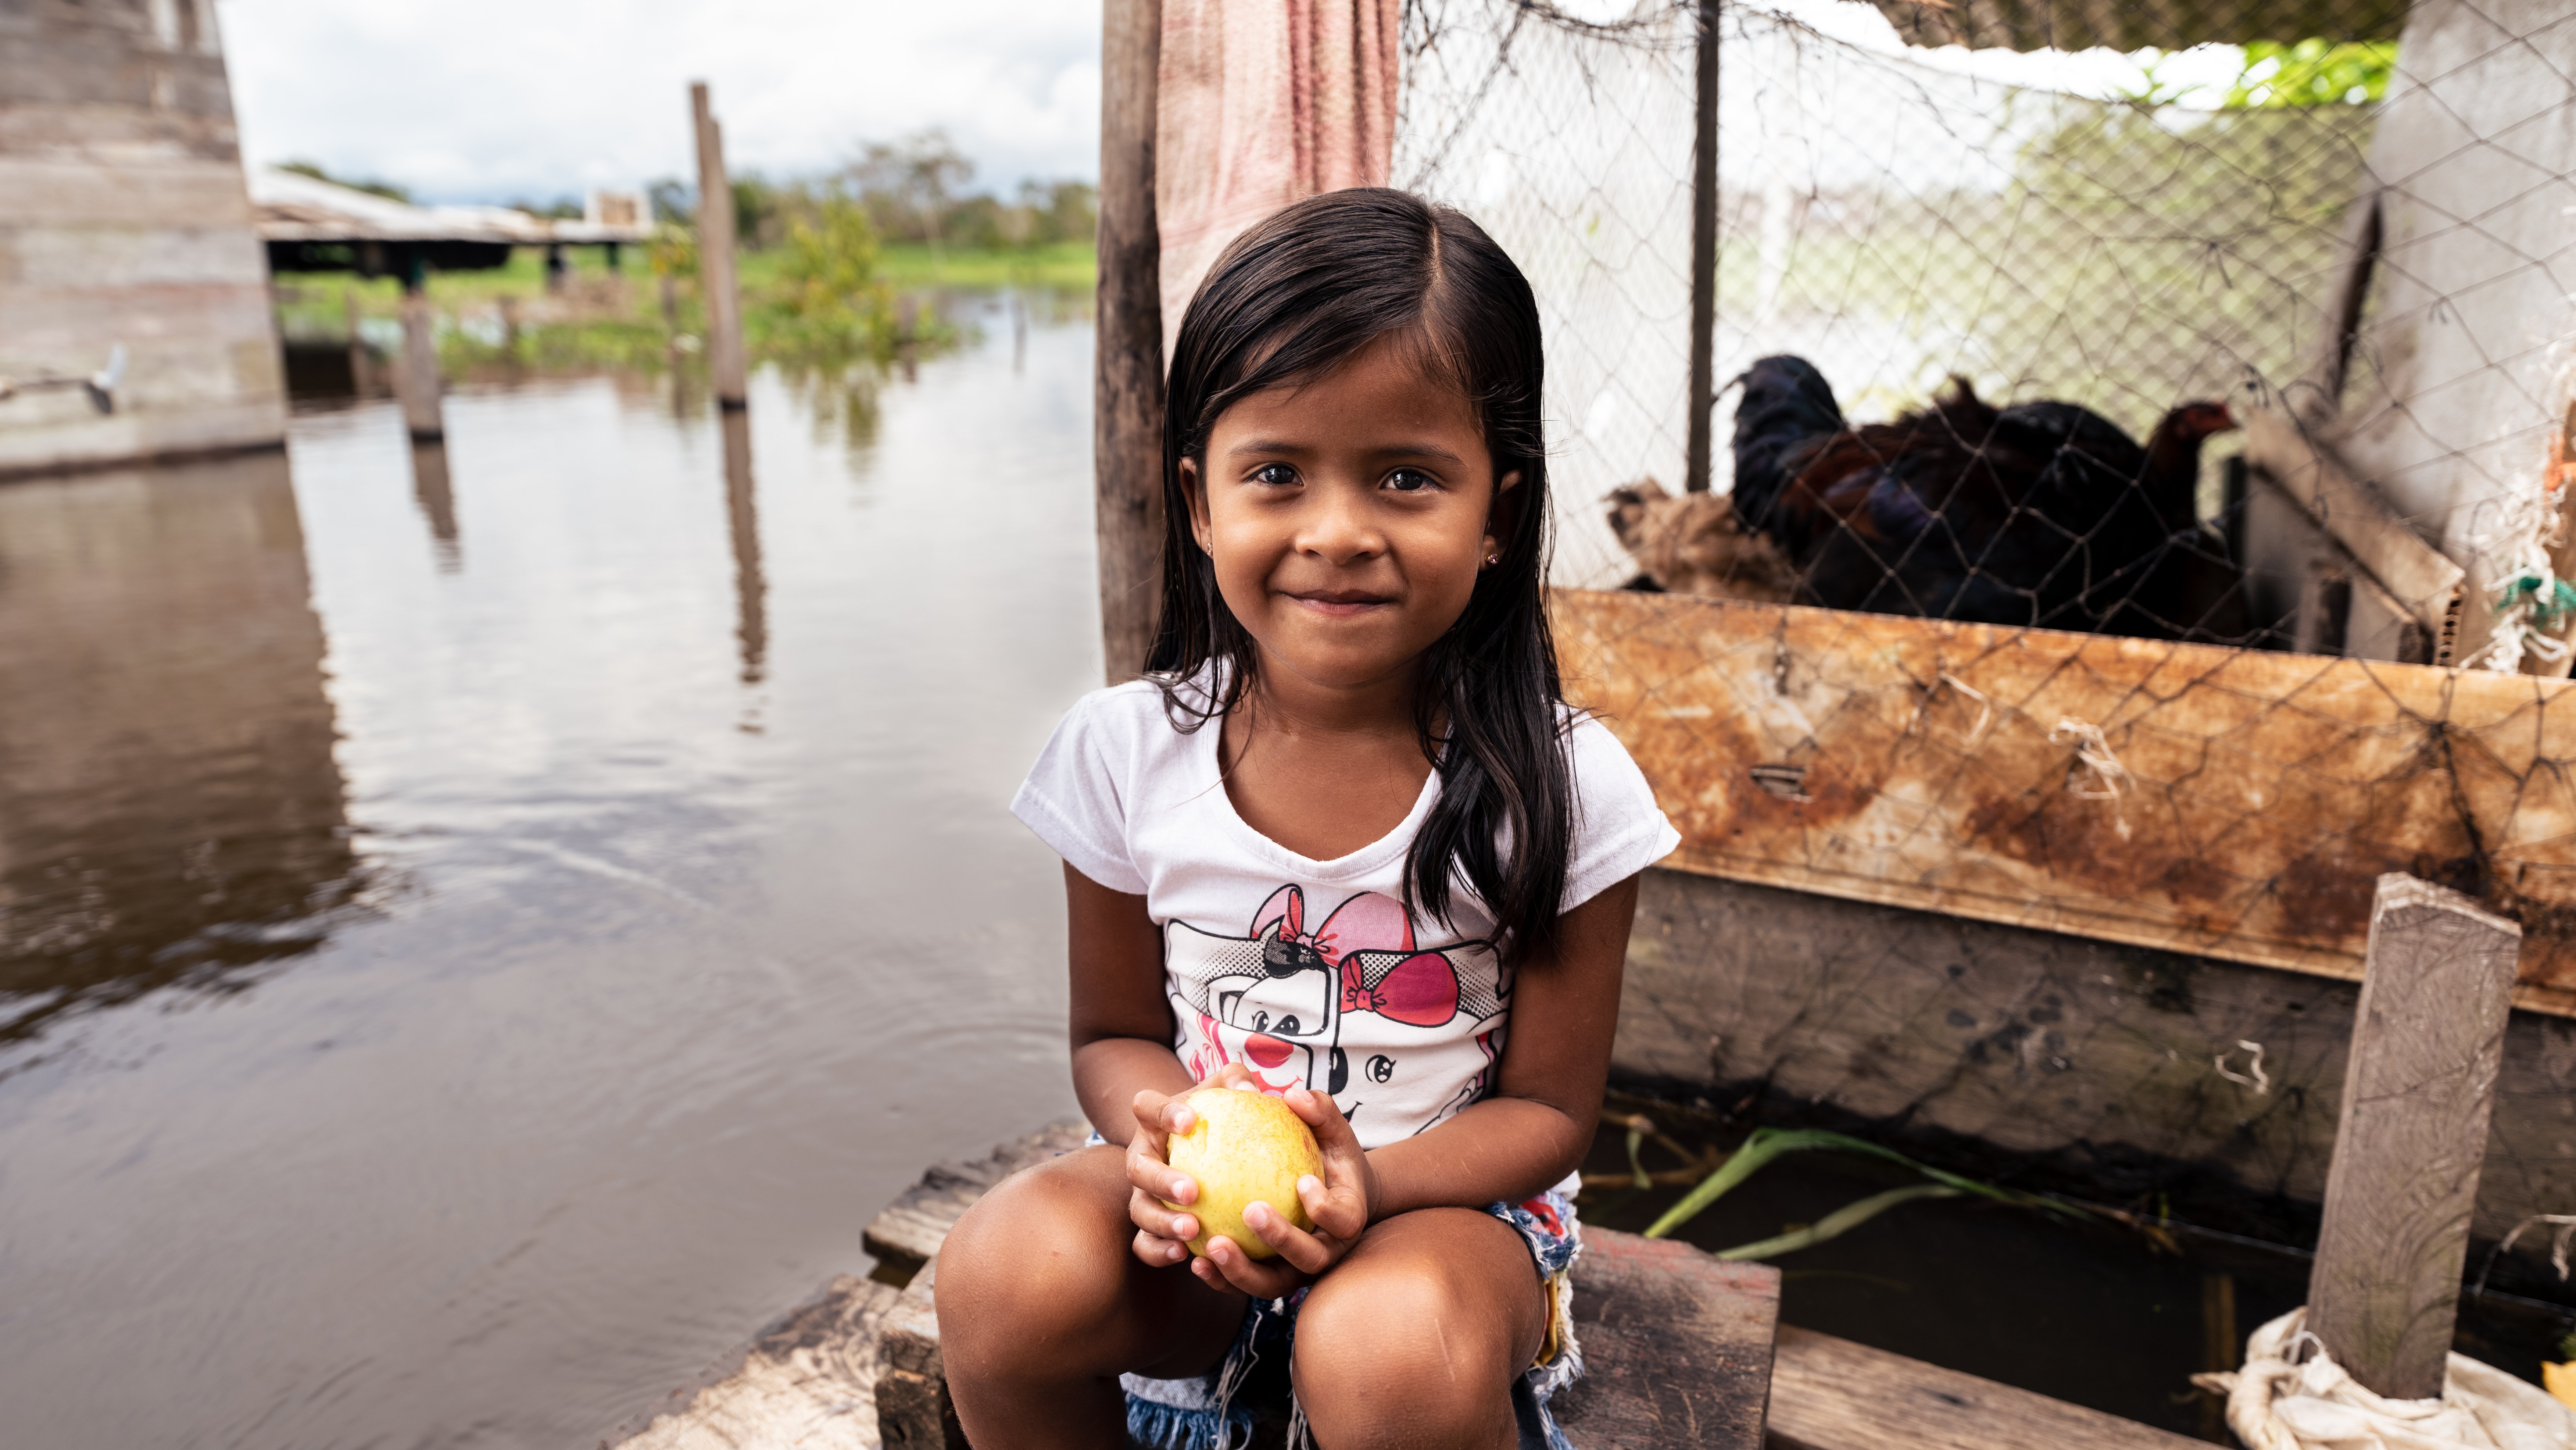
1336, 526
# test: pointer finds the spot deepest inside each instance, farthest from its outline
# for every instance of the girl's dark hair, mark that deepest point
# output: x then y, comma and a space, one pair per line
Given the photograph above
1291, 299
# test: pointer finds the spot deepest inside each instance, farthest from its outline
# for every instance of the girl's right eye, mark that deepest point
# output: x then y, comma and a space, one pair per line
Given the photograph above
1277, 475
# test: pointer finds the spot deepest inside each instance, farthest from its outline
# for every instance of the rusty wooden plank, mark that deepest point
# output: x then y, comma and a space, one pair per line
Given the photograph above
2238, 804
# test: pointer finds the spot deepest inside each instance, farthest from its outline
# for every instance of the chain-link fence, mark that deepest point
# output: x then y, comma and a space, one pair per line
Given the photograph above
2243, 226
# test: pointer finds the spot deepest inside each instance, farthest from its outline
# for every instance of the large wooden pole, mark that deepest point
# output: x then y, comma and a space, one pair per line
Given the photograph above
715, 255
1703, 283
2420, 1084
1127, 391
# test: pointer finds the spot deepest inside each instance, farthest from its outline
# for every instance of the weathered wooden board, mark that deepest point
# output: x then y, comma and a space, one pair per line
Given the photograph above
807, 1383
1676, 1346
1832, 1394
2241, 805
2411, 1137
831, 1371
2113, 1072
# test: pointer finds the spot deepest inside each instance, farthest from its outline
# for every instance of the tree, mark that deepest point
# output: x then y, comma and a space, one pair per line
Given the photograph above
385, 189
909, 185
2312, 73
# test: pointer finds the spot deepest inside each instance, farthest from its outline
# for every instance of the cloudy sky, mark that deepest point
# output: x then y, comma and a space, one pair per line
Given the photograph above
496, 100
487, 100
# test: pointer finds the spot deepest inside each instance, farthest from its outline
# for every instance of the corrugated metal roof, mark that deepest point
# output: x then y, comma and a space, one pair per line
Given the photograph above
293, 207
2137, 24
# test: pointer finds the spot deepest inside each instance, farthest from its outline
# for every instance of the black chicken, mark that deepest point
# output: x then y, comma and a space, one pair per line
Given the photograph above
2041, 513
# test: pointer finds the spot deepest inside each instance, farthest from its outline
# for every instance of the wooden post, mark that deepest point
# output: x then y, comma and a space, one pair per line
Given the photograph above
1703, 281
418, 376
432, 489
360, 383
715, 256
742, 514
2427, 1042
1127, 387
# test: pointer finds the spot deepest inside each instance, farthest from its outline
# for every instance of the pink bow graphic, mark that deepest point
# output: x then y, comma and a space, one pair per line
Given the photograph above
1421, 990
1367, 922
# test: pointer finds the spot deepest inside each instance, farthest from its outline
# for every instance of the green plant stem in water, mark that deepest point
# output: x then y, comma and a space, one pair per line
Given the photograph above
1835, 1224
1765, 1144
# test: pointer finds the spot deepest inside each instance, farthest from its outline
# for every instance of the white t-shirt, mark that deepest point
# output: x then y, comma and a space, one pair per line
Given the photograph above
1310, 972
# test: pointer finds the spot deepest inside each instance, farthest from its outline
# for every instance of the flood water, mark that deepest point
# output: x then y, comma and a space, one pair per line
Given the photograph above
482, 931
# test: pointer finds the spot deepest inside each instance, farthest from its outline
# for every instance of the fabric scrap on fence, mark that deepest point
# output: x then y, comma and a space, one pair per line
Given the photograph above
2292, 1396
1259, 106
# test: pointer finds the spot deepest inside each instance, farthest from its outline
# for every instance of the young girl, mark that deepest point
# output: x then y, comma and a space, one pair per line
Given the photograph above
1341, 836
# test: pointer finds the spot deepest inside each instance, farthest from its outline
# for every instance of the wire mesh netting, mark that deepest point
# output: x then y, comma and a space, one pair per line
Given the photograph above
2066, 282
2057, 339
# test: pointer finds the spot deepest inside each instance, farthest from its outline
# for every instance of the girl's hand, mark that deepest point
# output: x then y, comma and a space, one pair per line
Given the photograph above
1341, 1207
1162, 1234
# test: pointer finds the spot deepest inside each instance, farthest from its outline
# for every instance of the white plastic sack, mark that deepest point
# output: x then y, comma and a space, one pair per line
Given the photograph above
2291, 1396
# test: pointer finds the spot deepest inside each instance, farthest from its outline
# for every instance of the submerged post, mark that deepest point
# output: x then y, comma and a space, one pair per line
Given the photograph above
2412, 1134
715, 256
1127, 372
360, 385
1703, 280
417, 378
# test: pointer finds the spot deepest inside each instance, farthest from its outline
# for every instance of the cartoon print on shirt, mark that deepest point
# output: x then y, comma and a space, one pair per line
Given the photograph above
1352, 1006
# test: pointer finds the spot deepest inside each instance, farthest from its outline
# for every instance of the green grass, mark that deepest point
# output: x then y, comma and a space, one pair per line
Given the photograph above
1065, 265
614, 319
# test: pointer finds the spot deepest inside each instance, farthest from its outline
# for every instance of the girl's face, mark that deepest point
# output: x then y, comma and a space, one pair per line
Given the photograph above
1348, 516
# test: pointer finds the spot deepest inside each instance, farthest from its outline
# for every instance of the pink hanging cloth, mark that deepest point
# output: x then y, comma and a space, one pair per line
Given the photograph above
1262, 103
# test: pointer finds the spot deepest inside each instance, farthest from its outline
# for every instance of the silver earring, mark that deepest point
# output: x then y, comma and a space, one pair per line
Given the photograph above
1492, 559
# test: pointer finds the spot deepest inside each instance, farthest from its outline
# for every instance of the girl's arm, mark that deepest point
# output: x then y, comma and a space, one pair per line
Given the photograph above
1121, 1022
1539, 1121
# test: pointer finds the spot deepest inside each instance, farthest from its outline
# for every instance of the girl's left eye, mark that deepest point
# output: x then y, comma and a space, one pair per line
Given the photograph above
1410, 480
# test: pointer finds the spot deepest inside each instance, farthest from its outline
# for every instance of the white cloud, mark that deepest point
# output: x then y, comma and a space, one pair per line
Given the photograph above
493, 99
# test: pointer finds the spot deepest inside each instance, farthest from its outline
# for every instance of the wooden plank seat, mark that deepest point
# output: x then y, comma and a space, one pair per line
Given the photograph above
1679, 1350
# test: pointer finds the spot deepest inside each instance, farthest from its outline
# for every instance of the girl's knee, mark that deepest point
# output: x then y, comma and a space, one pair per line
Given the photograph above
1039, 1252
1400, 1359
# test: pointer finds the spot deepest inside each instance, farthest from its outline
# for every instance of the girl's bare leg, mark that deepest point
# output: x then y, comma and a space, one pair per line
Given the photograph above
1414, 1339
1042, 1306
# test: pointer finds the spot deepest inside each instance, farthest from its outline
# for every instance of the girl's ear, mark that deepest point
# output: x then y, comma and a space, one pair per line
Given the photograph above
1502, 512
1194, 489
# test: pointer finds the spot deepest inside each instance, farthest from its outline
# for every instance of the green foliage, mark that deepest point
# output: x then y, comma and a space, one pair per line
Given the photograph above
562, 208
314, 169
672, 251
825, 297
2312, 73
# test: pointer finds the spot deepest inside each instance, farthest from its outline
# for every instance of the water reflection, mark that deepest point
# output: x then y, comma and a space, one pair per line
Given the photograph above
664, 1007
742, 514
431, 487
169, 806
843, 402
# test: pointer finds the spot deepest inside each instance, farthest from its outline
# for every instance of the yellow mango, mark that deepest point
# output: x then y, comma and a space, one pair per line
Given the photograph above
1245, 1148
